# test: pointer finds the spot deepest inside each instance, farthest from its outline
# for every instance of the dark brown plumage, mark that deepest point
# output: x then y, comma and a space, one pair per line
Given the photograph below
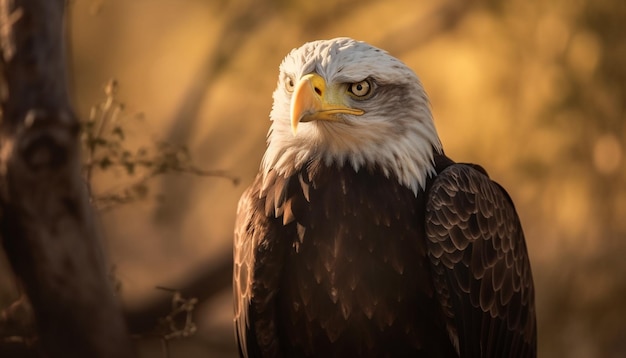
334, 259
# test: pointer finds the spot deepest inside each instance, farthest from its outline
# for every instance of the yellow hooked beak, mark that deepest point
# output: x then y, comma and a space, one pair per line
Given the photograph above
312, 101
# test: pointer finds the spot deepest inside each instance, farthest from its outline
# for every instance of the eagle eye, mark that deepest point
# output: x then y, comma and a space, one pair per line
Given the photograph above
289, 83
360, 89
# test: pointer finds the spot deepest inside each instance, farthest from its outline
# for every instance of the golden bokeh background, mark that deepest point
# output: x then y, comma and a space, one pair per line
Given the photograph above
533, 90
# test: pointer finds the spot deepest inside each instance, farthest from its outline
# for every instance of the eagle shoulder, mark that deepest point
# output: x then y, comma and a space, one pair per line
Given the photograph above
480, 265
260, 235
245, 236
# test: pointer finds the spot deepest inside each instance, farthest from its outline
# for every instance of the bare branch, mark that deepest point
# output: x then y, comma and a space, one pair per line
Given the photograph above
206, 283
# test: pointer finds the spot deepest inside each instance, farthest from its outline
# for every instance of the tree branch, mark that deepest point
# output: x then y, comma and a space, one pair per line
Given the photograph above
45, 220
205, 283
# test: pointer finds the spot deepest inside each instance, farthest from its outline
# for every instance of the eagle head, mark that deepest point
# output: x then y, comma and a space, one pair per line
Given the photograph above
345, 102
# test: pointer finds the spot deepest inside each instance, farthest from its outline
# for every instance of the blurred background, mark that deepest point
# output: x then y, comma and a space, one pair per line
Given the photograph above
533, 90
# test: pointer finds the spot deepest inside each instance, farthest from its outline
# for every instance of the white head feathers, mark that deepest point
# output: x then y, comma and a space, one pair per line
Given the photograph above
396, 134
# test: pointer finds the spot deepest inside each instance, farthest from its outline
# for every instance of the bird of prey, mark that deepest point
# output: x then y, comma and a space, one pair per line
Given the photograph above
359, 237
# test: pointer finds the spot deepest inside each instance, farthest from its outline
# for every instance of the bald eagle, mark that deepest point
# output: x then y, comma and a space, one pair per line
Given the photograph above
360, 238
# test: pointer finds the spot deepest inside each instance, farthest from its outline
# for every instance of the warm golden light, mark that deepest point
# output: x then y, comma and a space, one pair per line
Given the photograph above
532, 90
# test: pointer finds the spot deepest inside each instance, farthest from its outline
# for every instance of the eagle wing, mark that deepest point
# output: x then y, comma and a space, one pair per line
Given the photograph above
257, 255
480, 265
243, 257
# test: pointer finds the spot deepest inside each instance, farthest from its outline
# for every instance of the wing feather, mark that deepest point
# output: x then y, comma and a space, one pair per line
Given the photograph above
257, 264
264, 209
480, 265
243, 257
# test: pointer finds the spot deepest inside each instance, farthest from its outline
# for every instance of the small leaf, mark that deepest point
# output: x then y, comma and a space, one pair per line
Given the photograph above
130, 168
118, 131
100, 142
141, 190
105, 163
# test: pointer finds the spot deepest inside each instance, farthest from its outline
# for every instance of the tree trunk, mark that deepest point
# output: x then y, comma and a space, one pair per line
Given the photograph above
46, 223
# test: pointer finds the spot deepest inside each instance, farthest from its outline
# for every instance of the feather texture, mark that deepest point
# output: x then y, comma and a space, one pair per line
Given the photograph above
480, 265
360, 238
355, 274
